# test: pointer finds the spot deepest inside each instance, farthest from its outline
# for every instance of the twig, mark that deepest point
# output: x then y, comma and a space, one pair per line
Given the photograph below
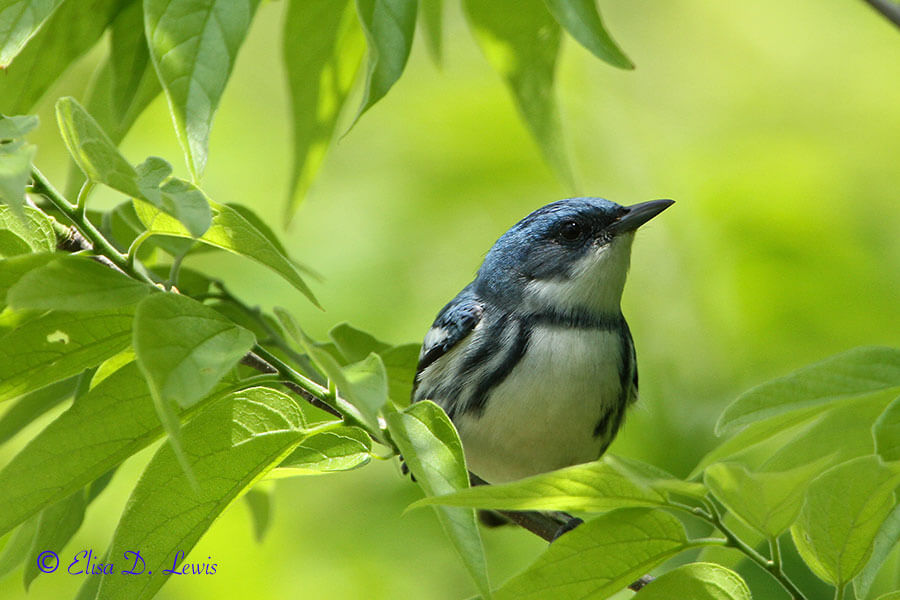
889, 10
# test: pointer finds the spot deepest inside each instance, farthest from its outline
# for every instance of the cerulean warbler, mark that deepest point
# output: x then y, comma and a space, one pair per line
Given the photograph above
533, 361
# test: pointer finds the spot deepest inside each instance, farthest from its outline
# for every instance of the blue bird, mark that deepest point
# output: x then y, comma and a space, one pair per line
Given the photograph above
533, 361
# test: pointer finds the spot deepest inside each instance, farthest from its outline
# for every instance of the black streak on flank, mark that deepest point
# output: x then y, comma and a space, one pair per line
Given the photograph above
495, 377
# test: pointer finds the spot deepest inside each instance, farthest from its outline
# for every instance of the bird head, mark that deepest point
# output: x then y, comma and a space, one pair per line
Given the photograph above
569, 256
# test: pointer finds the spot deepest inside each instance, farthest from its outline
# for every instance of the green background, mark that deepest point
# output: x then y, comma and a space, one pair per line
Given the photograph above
776, 128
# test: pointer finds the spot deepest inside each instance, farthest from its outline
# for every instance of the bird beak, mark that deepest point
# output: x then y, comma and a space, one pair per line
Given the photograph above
638, 214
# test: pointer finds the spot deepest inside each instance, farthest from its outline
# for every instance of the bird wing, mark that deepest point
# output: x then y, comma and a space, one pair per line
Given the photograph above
453, 323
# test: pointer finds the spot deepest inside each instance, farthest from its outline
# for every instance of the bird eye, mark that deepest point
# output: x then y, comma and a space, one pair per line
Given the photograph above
570, 231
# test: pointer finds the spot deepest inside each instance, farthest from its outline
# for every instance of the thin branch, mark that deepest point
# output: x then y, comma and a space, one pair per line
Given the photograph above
889, 10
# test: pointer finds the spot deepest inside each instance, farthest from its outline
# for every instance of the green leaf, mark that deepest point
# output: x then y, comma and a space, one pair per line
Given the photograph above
844, 510
433, 452
355, 344
400, 363
15, 163
323, 49
389, 26
14, 128
186, 202
582, 21
76, 283
232, 232
184, 348
19, 21
657, 479
259, 501
12, 269
595, 487
886, 432
256, 221
194, 45
886, 540
697, 581
600, 557
111, 422
229, 447
766, 501
56, 526
30, 406
431, 17
889, 596
857, 371
94, 153
58, 345
17, 547
71, 30
758, 433
521, 41
34, 233
341, 449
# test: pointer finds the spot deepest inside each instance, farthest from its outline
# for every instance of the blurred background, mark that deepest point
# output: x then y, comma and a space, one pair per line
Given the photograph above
776, 128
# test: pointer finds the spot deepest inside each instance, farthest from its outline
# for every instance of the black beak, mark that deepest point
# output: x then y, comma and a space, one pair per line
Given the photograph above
638, 214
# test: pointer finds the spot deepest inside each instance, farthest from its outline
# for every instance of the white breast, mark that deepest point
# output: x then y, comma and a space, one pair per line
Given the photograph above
542, 416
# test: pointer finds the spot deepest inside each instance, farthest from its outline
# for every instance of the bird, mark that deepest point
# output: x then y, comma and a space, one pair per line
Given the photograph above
533, 360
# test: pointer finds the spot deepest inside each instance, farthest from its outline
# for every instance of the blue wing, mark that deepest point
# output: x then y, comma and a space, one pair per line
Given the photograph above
453, 323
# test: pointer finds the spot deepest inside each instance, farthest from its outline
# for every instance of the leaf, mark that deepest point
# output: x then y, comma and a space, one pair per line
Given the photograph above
600, 557
594, 487
184, 201
323, 49
257, 222
94, 153
341, 449
111, 422
389, 26
431, 17
858, 371
769, 502
521, 41
355, 344
34, 233
890, 596
400, 363
30, 406
64, 37
12, 269
58, 345
229, 446
433, 452
886, 432
15, 163
194, 45
17, 547
330, 367
184, 348
232, 232
886, 540
582, 21
259, 501
657, 479
56, 526
19, 21
78, 284
697, 581
844, 510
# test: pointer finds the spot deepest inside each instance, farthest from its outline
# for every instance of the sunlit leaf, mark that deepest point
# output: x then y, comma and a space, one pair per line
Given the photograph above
30, 406
521, 41
18, 545
64, 37
19, 20
858, 371
886, 541
193, 45
76, 283
58, 345
389, 26
886, 432
582, 21
323, 50
184, 347
229, 446
337, 450
596, 487
600, 557
657, 479
434, 454
56, 526
15, 164
33, 233
766, 501
355, 344
232, 232
844, 510
697, 581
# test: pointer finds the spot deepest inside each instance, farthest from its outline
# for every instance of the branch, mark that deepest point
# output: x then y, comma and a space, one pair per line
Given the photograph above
889, 10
